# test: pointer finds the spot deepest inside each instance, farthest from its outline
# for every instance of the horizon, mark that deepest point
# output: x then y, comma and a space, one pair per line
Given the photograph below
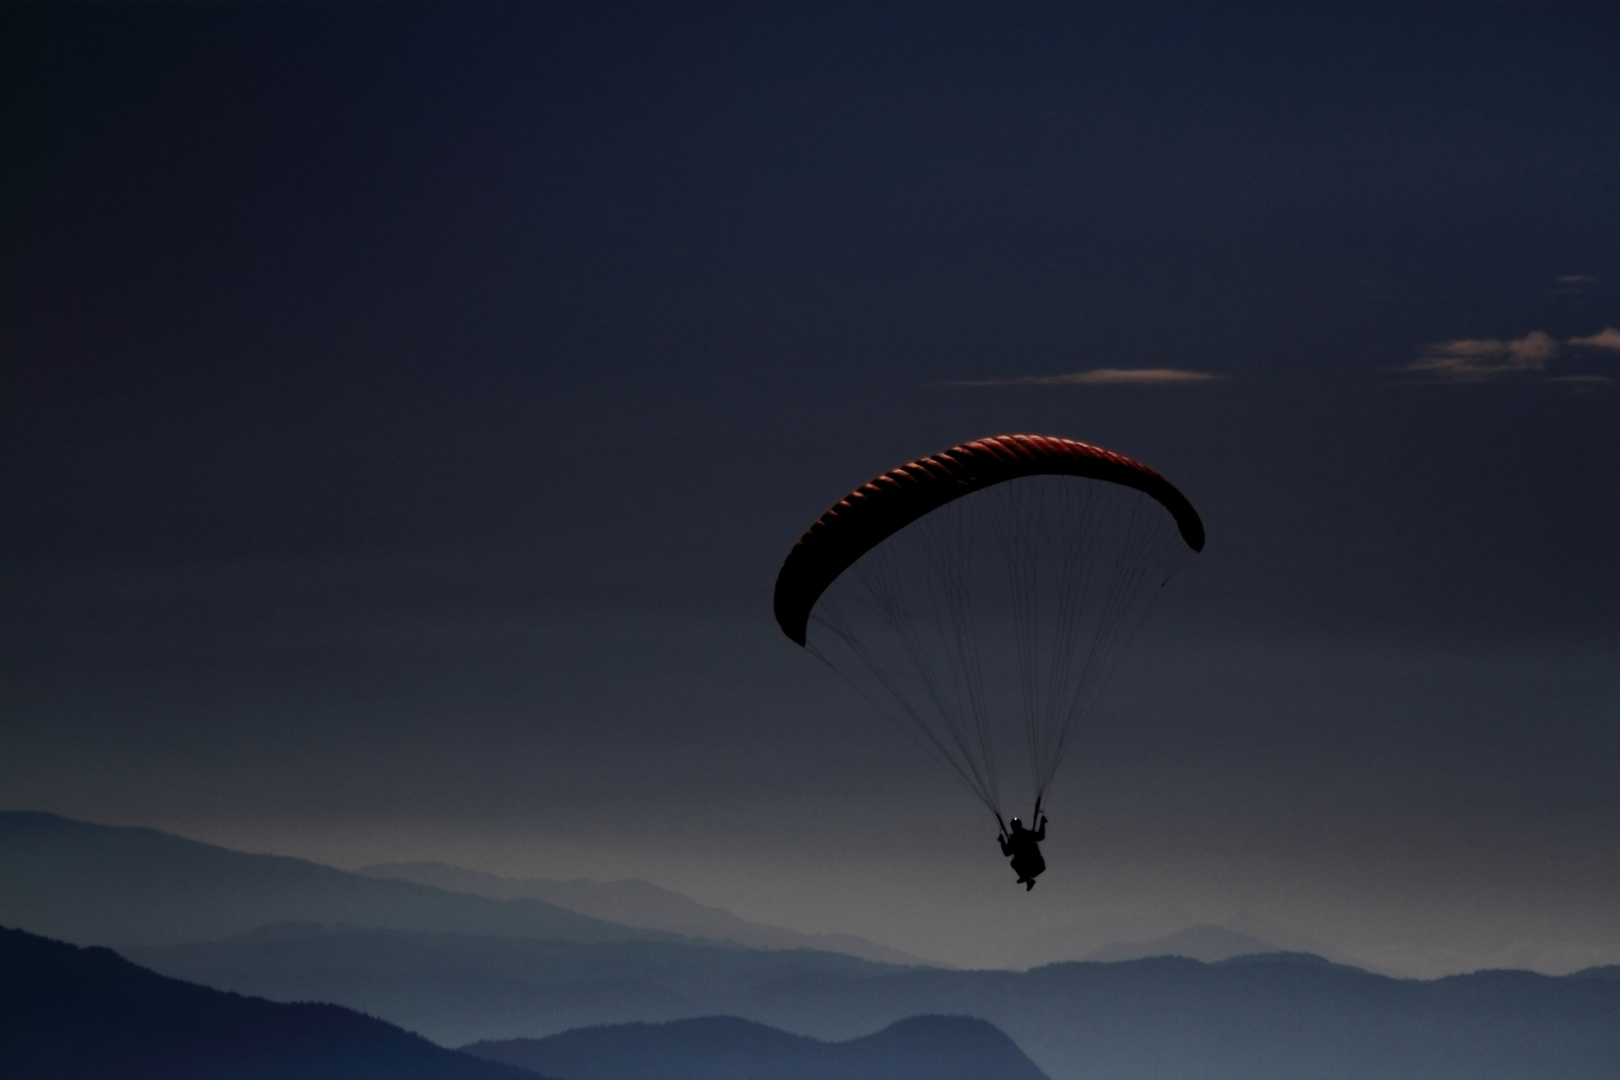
1100, 937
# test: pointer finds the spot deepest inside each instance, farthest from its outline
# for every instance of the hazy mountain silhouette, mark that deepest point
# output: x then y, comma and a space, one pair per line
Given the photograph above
1607, 971
1120, 936
83, 1014
105, 885
638, 903
1202, 942
1080, 938
498, 969
458, 988
717, 1047
1279, 1015
1245, 922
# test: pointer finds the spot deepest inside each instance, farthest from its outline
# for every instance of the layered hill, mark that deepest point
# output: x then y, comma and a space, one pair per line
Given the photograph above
1200, 942
99, 884
457, 988
1170, 932
1278, 1015
633, 902
460, 968
920, 1048
85, 1014
106, 885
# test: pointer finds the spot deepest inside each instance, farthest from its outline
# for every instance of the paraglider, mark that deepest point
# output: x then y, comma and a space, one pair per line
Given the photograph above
1023, 848
981, 597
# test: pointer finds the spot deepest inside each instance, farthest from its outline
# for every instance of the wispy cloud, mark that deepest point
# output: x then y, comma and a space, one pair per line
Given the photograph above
1101, 377
1607, 338
1573, 286
1475, 359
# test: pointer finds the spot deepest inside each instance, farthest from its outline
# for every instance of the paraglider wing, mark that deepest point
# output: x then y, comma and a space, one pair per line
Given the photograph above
981, 598
883, 506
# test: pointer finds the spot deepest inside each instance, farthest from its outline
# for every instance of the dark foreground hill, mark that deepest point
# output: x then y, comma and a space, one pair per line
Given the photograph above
84, 1014
719, 1047
104, 885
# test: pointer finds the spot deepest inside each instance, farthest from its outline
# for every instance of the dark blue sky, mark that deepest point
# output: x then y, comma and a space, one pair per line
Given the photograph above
407, 408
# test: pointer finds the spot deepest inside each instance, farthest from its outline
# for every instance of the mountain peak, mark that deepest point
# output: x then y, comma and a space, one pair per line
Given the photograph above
1203, 941
928, 1047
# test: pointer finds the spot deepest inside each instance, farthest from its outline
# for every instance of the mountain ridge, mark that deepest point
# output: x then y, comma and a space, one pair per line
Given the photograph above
129, 886
70, 1013
458, 988
1170, 932
119, 885
916, 1048
1266, 1016
1202, 941
641, 904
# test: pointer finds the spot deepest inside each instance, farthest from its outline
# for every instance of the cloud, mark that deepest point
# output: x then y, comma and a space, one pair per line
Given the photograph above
1607, 338
1474, 359
1576, 279
1102, 377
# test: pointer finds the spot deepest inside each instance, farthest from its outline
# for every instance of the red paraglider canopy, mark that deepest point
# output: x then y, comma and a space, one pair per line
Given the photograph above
883, 506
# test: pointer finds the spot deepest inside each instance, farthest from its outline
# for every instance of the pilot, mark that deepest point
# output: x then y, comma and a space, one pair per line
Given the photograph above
1024, 848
